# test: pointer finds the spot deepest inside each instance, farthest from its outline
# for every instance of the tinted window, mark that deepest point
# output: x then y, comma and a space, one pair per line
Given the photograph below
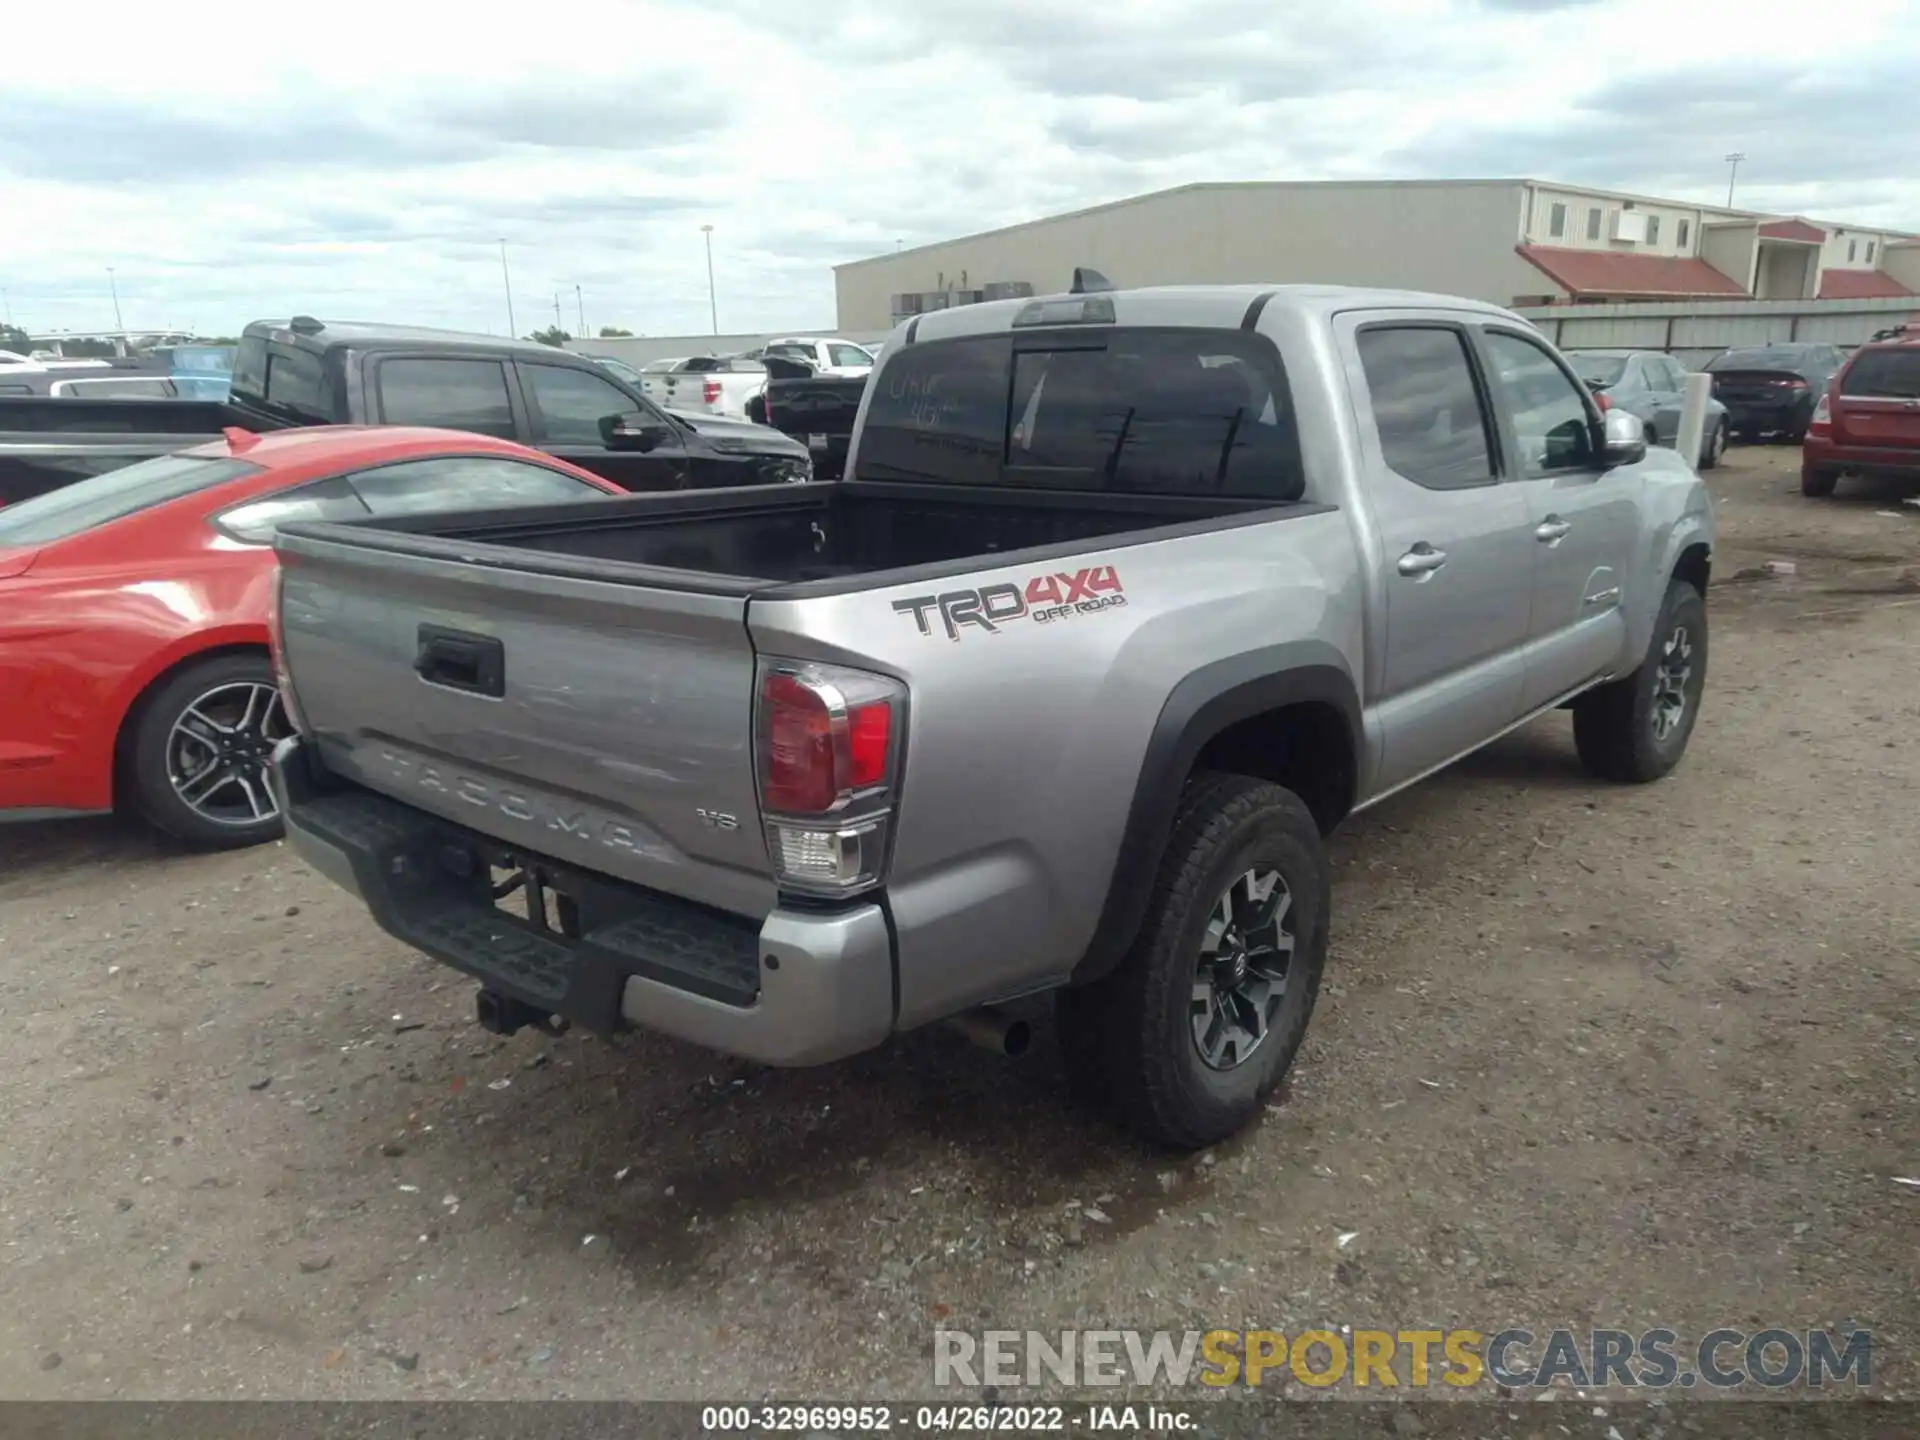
619, 367
939, 412
1425, 407
702, 364
848, 355
1598, 369
293, 382
1681, 234
1144, 411
113, 496
572, 402
456, 394
1894, 374
1550, 417
1557, 220
256, 520
466, 482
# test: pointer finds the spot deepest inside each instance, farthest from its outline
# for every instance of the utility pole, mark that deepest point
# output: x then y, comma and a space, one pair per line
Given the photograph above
114, 290
580, 311
713, 305
556, 311
507, 282
1733, 169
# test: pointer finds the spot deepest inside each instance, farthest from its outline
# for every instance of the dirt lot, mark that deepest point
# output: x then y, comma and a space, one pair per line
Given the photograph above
1588, 1056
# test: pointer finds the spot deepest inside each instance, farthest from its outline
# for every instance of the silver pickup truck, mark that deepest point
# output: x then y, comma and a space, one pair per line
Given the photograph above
1128, 599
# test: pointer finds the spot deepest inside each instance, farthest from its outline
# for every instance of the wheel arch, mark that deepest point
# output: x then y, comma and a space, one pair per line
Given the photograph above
141, 694
1694, 564
1287, 713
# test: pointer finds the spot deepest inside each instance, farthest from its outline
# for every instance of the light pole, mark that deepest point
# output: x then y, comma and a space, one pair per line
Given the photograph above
580, 311
713, 305
1733, 169
506, 282
114, 290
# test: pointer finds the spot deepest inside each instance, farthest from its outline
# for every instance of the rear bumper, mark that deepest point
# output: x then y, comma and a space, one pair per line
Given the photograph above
801, 989
1879, 459
1776, 415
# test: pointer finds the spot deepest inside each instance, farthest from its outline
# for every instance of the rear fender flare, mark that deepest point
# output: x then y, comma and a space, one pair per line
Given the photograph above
1202, 706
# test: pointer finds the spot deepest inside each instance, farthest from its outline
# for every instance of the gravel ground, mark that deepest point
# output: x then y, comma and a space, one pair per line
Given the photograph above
1587, 1056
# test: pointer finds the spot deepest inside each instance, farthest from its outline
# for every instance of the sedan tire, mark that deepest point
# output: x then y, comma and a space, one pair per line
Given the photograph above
199, 753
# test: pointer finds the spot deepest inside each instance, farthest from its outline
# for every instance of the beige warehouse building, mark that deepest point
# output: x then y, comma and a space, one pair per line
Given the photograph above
1523, 242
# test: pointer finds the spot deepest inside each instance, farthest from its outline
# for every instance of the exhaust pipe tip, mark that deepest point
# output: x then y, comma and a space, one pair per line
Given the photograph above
994, 1030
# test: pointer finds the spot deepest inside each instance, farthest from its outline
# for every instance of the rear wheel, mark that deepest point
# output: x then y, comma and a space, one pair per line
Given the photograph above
1204, 1015
200, 751
1818, 481
1715, 448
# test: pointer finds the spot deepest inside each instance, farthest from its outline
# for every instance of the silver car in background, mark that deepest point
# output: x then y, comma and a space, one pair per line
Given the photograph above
1651, 385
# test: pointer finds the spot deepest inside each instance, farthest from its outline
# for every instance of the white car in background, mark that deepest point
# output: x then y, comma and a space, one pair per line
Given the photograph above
828, 356
708, 385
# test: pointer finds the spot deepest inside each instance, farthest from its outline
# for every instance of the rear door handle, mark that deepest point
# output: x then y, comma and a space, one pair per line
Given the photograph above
1421, 561
1552, 530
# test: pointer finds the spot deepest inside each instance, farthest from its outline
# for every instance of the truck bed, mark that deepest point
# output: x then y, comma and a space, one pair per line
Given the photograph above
746, 540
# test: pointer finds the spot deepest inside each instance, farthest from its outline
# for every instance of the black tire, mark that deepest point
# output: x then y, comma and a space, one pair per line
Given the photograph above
1715, 448
1130, 1038
1616, 728
218, 685
1817, 481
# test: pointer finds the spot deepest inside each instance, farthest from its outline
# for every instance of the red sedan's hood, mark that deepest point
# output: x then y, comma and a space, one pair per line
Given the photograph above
16, 560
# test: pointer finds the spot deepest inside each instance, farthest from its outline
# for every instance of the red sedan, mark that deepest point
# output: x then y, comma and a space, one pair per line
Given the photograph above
134, 671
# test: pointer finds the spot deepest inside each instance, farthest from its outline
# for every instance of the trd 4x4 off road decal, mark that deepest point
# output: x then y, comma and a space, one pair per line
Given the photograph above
1042, 599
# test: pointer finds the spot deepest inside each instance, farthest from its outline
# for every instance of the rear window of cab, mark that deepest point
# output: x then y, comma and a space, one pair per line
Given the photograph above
1125, 411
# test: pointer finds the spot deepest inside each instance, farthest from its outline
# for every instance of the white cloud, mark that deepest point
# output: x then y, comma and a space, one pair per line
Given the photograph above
366, 164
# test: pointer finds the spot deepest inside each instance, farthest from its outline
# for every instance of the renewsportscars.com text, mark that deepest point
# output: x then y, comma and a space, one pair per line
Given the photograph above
1518, 1359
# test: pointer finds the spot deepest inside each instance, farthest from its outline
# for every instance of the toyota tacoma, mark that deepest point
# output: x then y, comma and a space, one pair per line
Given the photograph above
1128, 598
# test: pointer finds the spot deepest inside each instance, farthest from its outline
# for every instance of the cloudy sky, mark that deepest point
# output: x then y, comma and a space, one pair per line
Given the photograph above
364, 160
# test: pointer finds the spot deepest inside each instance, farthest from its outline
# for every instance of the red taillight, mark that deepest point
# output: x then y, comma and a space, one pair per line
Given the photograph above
799, 776
710, 392
1822, 422
1794, 383
869, 737
1600, 398
828, 751
819, 748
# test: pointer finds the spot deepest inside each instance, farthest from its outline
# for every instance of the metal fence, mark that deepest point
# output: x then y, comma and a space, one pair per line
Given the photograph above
1694, 331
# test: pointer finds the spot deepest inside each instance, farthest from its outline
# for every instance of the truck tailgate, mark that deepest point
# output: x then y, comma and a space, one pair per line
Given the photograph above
600, 721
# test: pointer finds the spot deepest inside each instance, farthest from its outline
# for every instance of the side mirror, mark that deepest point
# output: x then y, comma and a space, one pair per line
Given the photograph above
633, 431
1623, 439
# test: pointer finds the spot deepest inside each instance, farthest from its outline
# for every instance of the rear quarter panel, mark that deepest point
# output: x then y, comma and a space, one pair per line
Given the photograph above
1026, 742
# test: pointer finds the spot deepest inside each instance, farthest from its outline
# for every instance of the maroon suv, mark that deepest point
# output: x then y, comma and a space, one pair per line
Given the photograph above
1868, 422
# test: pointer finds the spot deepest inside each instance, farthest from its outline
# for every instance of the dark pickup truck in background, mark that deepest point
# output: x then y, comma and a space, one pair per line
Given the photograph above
815, 409
309, 373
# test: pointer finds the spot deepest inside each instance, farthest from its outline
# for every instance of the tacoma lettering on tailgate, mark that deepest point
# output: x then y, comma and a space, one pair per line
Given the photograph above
1041, 598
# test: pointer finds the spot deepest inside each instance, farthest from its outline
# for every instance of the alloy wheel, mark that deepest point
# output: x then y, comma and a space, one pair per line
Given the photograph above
1671, 677
1241, 978
218, 751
